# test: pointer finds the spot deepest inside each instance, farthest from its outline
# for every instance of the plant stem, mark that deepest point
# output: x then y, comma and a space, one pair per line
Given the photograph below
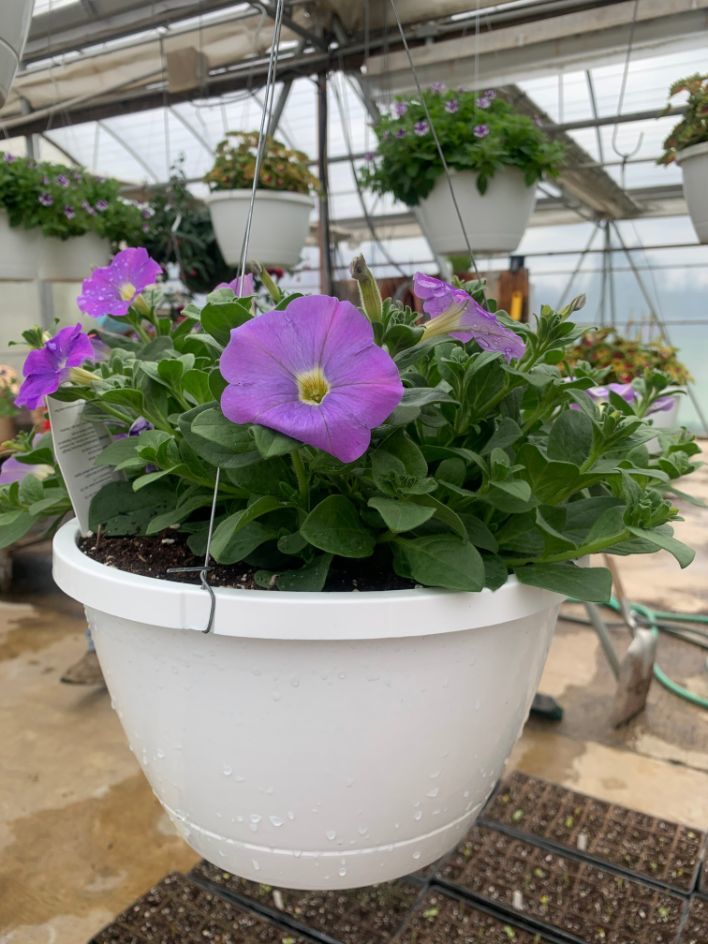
301, 477
574, 553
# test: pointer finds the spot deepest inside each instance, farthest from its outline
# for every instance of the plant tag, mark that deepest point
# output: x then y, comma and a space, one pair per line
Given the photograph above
77, 444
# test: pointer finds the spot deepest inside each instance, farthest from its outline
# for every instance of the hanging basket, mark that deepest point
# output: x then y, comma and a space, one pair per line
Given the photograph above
14, 27
19, 251
72, 260
694, 166
494, 222
315, 740
278, 231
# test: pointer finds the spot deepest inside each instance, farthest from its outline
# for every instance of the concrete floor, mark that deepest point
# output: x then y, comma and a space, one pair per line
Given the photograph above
81, 835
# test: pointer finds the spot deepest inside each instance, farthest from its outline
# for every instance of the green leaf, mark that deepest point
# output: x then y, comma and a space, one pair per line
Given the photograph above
336, 527
579, 583
177, 515
220, 441
401, 515
683, 554
512, 496
422, 396
195, 384
230, 526
440, 560
479, 534
570, 439
118, 451
506, 434
219, 319
31, 490
13, 526
495, 570
144, 480
270, 444
311, 577
126, 396
121, 511
244, 542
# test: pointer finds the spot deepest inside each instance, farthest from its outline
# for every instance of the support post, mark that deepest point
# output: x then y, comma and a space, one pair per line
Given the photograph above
326, 277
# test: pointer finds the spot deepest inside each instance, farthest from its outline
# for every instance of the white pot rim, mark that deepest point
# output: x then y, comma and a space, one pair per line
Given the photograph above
268, 614
694, 150
282, 196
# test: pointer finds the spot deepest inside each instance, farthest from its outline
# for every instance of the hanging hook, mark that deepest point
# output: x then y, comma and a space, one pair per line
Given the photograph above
625, 156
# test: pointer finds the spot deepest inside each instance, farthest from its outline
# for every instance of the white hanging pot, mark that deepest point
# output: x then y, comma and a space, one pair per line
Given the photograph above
694, 166
278, 231
494, 222
19, 251
14, 27
315, 740
72, 260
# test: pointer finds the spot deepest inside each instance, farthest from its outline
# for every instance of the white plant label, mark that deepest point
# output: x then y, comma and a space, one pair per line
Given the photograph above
77, 444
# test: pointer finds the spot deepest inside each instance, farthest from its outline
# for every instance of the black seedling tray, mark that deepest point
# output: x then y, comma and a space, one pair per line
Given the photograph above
370, 915
579, 901
665, 854
179, 911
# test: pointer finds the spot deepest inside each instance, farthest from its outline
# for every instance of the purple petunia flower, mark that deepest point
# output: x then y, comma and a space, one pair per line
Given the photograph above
312, 372
369, 157
46, 199
538, 121
481, 131
101, 205
9, 158
452, 106
87, 208
12, 470
386, 135
62, 180
46, 369
421, 127
399, 109
139, 426
112, 289
452, 308
401, 133
438, 87
69, 212
628, 393
490, 95
482, 101
241, 290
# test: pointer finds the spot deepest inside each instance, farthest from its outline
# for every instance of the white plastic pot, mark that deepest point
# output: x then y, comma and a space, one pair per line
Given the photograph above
278, 231
72, 260
694, 166
315, 740
14, 27
494, 222
19, 251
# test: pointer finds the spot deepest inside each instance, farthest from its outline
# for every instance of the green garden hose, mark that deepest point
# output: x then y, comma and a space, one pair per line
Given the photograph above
652, 619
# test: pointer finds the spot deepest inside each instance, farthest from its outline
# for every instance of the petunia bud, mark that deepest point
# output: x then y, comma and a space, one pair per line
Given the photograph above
368, 289
267, 281
81, 377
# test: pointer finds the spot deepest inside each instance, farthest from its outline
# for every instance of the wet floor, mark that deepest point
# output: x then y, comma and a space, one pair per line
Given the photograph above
81, 835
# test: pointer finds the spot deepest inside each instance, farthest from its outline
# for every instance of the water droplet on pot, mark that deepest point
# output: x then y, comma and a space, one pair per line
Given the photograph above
477, 705
255, 818
349, 782
159, 753
239, 819
295, 682
434, 775
416, 855
331, 835
276, 820
239, 779
466, 794
269, 790
291, 815
227, 770
362, 830
342, 872
276, 696
256, 865
433, 793
418, 815
342, 675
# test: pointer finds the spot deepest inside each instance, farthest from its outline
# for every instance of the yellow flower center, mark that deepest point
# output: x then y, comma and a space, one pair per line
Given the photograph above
127, 291
312, 386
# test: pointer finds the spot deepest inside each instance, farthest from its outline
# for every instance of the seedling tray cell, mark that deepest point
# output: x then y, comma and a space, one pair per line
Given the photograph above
370, 915
579, 900
656, 849
695, 930
442, 919
178, 911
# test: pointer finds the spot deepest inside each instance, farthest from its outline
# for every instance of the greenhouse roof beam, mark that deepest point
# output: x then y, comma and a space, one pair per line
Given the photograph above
580, 179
